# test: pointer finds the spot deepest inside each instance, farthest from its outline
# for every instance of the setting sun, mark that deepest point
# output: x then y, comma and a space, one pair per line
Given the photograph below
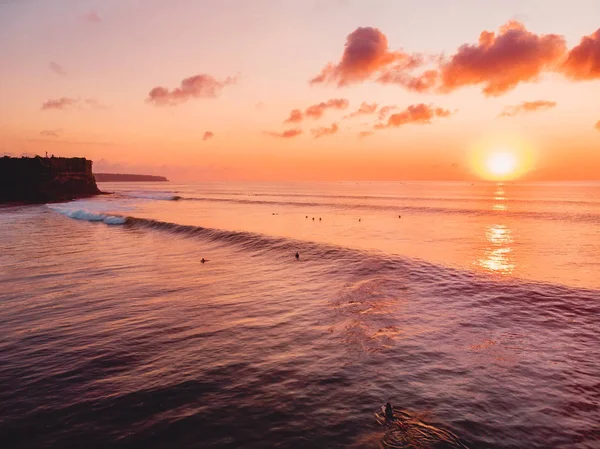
501, 164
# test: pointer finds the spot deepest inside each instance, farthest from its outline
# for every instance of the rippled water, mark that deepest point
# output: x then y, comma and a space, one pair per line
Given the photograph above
474, 309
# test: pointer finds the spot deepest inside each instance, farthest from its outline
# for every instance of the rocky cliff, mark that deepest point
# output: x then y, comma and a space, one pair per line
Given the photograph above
41, 180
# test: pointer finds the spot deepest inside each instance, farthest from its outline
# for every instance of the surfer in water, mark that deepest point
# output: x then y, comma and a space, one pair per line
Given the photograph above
297, 256
203, 260
389, 412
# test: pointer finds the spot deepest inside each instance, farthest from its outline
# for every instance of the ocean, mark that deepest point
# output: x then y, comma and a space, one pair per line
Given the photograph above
473, 308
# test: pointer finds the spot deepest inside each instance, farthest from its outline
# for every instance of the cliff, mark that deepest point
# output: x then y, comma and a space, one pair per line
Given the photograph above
42, 180
118, 177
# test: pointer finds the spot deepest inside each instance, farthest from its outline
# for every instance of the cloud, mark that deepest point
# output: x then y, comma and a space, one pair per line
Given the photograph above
363, 134
71, 103
50, 133
288, 134
583, 61
92, 17
364, 109
295, 116
419, 114
320, 132
198, 86
60, 103
597, 125
424, 82
526, 106
385, 110
57, 68
366, 52
316, 111
94, 104
500, 62
208, 135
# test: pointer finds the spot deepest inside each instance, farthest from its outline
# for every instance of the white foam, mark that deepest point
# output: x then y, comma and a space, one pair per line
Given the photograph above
73, 210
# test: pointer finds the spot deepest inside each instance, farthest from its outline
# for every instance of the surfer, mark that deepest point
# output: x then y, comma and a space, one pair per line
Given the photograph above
389, 411
297, 256
203, 260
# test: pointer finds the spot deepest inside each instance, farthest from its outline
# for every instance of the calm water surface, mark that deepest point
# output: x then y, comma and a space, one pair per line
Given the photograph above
474, 309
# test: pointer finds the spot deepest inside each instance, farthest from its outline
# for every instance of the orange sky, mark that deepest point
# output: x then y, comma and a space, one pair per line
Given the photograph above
305, 90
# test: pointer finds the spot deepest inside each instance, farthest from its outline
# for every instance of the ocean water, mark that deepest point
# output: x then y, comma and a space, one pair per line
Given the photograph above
473, 308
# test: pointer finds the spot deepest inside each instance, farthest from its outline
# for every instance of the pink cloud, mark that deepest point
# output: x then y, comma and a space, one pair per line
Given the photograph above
424, 82
72, 103
288, 134
324, 131
316, 111
527, 106
51, 133
583, 61
198, 86
92, 17
418, 114
60, 103
385, 110
500, 62
364, 109
295, 116
208, 135
366, 52
57, 68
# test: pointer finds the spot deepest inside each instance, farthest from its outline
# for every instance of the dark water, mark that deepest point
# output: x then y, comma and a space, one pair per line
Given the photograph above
118, 336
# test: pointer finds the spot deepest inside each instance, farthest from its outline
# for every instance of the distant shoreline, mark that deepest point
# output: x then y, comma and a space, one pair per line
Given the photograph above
125, 177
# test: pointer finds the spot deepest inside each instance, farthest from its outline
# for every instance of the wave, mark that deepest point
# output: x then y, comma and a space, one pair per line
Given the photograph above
88, 215
589, 217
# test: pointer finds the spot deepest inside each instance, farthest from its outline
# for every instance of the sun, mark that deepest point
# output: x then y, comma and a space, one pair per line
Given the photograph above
501, 164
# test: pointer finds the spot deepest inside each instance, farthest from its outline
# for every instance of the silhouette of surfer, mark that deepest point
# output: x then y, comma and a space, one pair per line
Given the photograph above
297, 256
389, 411
204, 260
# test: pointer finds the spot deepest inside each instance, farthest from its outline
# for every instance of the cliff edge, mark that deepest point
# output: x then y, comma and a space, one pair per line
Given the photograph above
45, 179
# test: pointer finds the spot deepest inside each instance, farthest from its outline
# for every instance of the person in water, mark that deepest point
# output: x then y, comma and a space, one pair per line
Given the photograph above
203, 260
297, 256
389, 411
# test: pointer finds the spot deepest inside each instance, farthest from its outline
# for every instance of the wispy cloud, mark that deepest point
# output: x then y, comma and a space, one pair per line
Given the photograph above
527, 106
198, 86
92, 17
364, 109
57, 68
296, 116
288, 134
385, 110
208, 135
324, 131
63, 103
316, 111
59, 103
363, 134
418, 114
51, 132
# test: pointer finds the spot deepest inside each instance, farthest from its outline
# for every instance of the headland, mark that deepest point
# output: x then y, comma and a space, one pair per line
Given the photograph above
45, 179
125, 177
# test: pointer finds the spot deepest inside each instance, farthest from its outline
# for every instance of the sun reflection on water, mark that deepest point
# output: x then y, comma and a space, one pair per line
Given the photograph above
497, 255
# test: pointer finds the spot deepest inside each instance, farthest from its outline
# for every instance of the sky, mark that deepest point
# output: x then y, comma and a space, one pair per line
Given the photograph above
306, 90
